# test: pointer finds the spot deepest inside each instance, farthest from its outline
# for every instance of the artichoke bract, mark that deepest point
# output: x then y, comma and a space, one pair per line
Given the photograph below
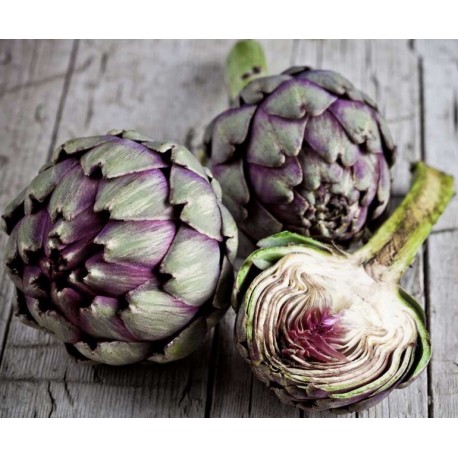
329, 330
303, 151
122, 249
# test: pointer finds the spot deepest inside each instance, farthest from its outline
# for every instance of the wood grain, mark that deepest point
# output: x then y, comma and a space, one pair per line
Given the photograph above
54, 90
32, 76
443, 50
441, 147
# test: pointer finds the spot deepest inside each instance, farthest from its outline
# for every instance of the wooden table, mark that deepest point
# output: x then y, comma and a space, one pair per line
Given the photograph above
51, 91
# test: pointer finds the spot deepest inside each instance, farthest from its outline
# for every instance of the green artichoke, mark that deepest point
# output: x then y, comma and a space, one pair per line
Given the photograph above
121, 248
302, 151
329, 330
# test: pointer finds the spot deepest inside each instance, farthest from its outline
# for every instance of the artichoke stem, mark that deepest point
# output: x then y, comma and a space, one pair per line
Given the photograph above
245, 62
393, 247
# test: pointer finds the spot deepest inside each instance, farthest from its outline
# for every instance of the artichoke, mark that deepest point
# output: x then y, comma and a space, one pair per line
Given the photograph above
329, 330
302, 151
121, 248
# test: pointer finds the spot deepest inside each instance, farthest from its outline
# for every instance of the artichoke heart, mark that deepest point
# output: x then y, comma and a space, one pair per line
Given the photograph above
325, 329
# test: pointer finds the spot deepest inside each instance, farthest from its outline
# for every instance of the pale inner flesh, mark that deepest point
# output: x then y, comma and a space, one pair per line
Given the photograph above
322, 319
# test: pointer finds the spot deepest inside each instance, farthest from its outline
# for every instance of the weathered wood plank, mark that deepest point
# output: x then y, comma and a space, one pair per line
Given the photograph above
38, 379
387, 70
437, 49
441, 145
441, 124
32, 75
162, 88
236, 392
443, 313
231, 390
171, 90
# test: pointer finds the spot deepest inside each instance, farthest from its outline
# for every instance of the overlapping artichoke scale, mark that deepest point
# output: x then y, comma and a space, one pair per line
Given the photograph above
275, 185
122, 248
271, 294
319, 121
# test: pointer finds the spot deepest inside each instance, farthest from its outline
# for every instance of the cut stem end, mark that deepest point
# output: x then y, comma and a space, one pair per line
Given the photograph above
245, 63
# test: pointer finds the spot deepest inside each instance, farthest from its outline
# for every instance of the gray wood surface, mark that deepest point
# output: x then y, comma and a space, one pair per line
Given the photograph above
54, 90
441, 150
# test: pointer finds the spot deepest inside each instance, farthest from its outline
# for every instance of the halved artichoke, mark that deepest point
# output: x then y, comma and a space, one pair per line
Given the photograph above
329, 330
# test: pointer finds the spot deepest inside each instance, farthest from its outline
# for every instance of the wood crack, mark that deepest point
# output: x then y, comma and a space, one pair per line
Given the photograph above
66, 389
211, 372
52, 399
186, 392
426, 280
60, 109
42, 81
218, 386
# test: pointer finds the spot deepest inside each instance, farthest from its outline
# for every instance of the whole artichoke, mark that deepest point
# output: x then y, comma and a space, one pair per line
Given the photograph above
121, 248
303, 151
329, 330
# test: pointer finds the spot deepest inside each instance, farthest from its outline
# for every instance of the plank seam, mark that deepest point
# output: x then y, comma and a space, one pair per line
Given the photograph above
211, 372
63, 98
426, 277
447, 230
250, 397
7, 326
294, 52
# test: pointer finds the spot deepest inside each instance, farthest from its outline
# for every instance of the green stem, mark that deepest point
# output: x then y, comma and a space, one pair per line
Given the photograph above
245, 62
393, 247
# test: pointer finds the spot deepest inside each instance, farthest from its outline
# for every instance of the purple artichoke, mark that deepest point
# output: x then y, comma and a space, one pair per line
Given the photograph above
303, 151
121, 248
329, 330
